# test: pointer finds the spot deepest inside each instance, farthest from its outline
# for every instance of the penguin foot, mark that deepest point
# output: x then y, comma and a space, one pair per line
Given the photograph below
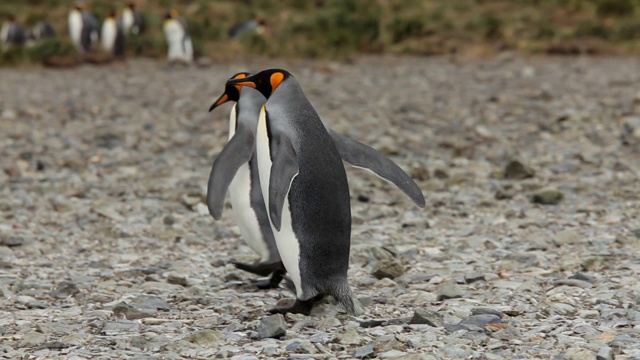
299, 307
261, 269
271, 283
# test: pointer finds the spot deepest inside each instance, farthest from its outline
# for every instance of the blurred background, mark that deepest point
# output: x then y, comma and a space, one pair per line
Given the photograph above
342, 28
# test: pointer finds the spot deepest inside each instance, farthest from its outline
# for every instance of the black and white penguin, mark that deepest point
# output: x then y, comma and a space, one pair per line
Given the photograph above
111, 35
179, 44
42, 30
11, 32
132, 20
83, 28
305, 188
235, 169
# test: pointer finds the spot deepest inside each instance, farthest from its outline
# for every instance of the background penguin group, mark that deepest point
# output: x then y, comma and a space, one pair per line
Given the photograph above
288, 187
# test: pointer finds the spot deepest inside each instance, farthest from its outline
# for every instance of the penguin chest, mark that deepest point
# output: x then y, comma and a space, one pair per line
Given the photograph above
286, 240
108, 34
127, 20
75, 26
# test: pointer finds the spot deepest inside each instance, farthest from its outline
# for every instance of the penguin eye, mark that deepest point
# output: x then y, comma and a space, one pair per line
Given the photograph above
275, 79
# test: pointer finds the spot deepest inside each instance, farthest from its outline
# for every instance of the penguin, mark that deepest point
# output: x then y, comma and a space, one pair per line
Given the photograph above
305, 189
178, 39
235, 169
254, 25
42, 30
111, 35
11, 32
132, 20
83, 28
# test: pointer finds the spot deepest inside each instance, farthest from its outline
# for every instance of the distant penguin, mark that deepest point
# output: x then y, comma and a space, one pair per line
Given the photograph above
254, 25
305, 188
236, 169
111, 36
132, 20
83, 28
11, 32
42, 30
179, 44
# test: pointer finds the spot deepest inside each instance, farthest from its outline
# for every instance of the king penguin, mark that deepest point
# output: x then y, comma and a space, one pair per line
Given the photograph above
179, 44
83, 28
305, 189
236, 170
132, 20
11, 32
111, 35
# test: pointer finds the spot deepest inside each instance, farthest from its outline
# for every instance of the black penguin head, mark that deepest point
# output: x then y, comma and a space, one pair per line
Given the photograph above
167, 16
231, 92
266, 81
112, 14
131, 5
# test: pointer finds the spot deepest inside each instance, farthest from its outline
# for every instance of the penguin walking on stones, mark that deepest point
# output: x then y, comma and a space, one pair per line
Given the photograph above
132, 20
236, 170
111, 36
11, 32
179, 44
83, 28
305, 189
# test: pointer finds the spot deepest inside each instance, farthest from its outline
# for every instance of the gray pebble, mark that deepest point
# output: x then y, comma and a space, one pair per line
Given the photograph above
364, 352
272, 326
449, 290
425, 316
605, 353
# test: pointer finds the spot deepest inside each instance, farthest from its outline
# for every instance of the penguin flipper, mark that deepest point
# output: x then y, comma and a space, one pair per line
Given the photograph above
362, 156
237, 152
284, 169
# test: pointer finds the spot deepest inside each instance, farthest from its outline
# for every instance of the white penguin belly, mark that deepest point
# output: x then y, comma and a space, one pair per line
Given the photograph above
174, 34
109, 32
286, 240
239, 193
75, 27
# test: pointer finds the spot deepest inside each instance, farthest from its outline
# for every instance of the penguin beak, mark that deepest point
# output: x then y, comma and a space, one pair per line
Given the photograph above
221, 100
242, 82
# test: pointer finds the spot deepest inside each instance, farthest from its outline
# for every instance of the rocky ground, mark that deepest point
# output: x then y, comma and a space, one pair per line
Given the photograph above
528, 248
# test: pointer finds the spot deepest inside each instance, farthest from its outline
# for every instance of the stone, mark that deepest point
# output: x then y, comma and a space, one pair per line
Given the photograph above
605, 353
515, 170
392, 354
31, 302
579, 354
149, 303
349, 337
33, 339
478, 322
573, 282
207, 338
64, 290
128, 312
474, 277
561, 309
566, 237
388, 268
425, 316
177, 279
449, 290
272, 326
547, 197
116, 328
364, 352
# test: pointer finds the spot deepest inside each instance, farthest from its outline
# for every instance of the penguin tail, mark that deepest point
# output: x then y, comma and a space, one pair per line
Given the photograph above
342, 293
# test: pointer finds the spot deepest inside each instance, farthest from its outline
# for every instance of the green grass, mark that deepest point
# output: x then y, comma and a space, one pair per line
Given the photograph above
342, 28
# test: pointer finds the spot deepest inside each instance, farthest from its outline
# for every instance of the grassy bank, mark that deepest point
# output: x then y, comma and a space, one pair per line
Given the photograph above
336, 28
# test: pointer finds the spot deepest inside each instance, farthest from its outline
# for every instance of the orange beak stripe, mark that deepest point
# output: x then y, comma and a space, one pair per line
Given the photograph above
250, 84
223, 99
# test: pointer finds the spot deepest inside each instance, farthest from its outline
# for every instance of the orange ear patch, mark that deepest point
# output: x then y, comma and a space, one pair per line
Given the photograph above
240, 76
276, 79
